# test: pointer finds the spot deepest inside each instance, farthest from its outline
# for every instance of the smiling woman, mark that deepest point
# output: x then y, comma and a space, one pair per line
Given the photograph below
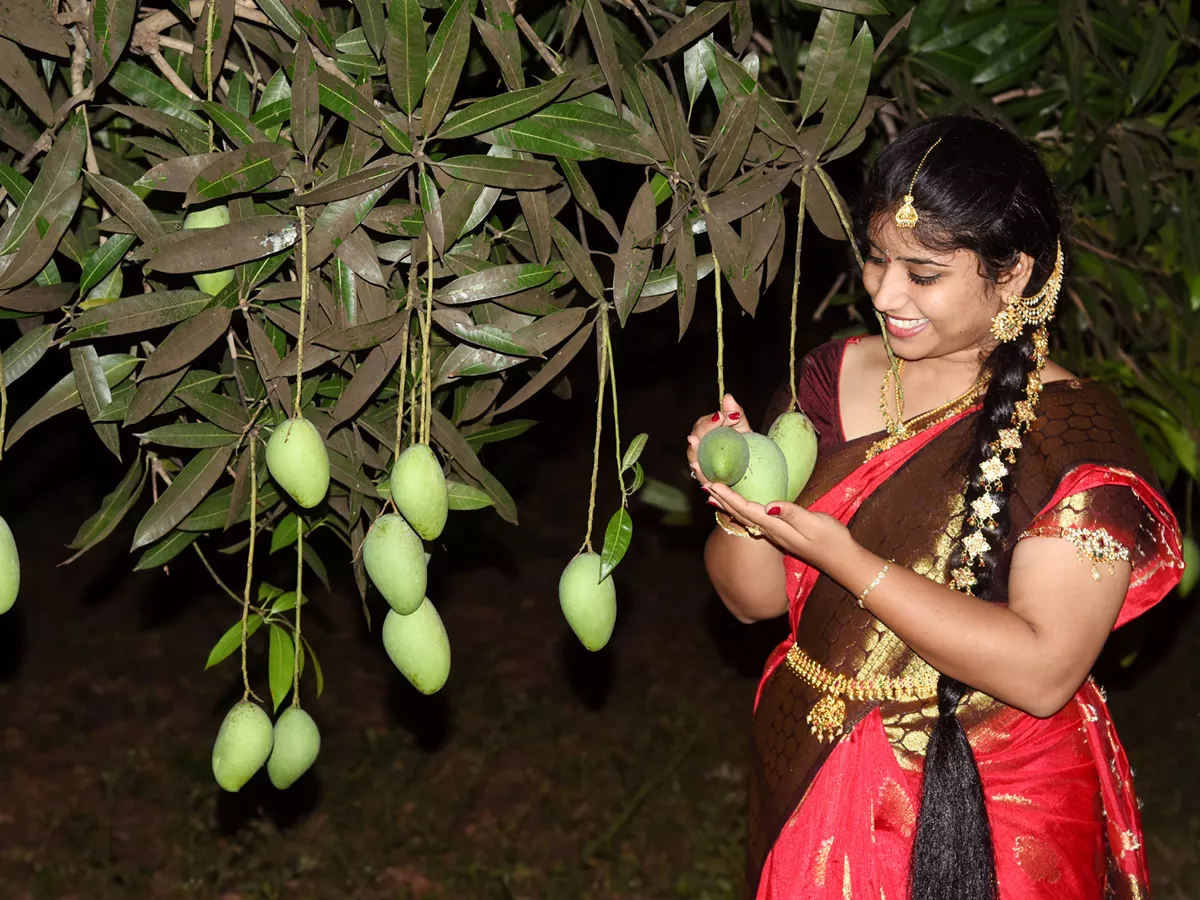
978, 522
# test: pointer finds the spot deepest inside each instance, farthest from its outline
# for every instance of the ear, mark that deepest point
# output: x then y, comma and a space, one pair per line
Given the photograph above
1016, 280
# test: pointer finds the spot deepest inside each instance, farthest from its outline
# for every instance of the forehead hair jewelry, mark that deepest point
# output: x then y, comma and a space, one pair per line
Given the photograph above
1036, 310
906, 216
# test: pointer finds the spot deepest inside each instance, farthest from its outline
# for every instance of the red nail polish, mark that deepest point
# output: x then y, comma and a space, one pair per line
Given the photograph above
733, 417
716, 417
774, 510
712, 502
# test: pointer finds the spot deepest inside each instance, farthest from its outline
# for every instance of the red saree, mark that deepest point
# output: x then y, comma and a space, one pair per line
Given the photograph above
837, 820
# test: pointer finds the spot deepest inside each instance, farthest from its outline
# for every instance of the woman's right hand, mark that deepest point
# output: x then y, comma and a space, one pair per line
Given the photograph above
730, 415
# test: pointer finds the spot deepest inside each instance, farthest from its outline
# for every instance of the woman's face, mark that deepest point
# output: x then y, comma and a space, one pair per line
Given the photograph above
935, 304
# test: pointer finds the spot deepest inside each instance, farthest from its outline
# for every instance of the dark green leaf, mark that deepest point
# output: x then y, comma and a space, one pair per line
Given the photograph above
511, 174
352, 105
150, 395
213, 30
617, 536
634, 451
491, 337
600, 30
449, 439
1152, 63
128, 207
146, 89
431, 209
165, 550
336, 221
374, 23
306, 99
218, 409
26, 351
502, 432
578, 261
483, 115
535, 206
1017, 54
748, 193
377, 175
731, 139
138, 312
404, 51
64, 395
187, 341
188, 488
34, 26
17, 72
176, 175
239, 172
36, 298
208, 249
632, 263
89, 379
550, 371
494, 282
60, 169
585, 196
859, 7
697, 23
447, 55
112, 510
189, 435
850, 89
830, 42
466, 497
685, 264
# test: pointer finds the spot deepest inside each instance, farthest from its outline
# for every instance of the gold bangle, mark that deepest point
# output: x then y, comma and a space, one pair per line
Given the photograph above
874, 584
731, 528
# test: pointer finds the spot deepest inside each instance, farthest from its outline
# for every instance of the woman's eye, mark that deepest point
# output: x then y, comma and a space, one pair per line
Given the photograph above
922, 279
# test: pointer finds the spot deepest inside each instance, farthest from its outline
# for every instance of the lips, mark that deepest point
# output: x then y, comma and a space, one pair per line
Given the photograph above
905, 328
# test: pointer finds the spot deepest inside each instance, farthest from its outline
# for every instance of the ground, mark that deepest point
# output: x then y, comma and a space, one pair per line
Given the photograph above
541, 771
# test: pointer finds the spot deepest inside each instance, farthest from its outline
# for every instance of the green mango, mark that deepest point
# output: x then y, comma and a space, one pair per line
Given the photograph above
766, 478
418, 489
297, 743
793, 432
723, 455
395, 561
298, 461
213, 217
10, 568
589, 604
243, 745
418, 646
1187, 583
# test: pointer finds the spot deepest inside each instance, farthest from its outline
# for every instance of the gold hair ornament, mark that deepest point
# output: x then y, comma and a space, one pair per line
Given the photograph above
1035, 310
906, 215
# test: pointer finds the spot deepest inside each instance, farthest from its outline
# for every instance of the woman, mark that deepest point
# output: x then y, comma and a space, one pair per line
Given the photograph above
978, 521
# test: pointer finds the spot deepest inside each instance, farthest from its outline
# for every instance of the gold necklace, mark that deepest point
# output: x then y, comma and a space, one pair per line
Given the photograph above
892, 377
900, 431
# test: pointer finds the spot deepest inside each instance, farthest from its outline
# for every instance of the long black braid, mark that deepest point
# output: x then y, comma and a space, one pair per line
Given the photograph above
984, 190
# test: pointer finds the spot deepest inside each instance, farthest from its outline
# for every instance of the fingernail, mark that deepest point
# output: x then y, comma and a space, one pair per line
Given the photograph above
774, 510
712, 502
734, 416
716, 417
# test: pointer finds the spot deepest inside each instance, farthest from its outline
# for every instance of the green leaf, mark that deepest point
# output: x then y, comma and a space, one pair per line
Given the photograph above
447, 54
64, 395
1152, 63
685, 264
232, 640
209, 249
218, 409
850, 89
187, 340
17, 72
306, 99
214, 511
550, 371
511, 174
280, 660
697, 23
374, 23
731, 139
285, 534
352, 105
578, 260
128, 207
176, 175
138, 312
447, 437
147, 89
316, 664
858, 7
617, 536
484, 115
431, 210
1016, 54
586, 197
112, 510
189, 487
26, 351
634, 451
378, 175
189, 435
89, 379
601, 32
494, 282
336, 221
533, 136
166, 550
239, 172
695, 76
830, 43
535, 206
60, 169
632, 263
404, 51
490, 337
465, 497
213, 30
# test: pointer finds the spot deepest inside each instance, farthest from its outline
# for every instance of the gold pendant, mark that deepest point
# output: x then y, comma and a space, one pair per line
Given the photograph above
906, 216
827, 717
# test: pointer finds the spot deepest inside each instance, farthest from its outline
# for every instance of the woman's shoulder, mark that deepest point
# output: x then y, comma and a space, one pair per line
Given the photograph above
817, 378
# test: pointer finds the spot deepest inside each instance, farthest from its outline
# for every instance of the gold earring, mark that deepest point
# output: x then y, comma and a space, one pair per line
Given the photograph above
1008, 324
906, 215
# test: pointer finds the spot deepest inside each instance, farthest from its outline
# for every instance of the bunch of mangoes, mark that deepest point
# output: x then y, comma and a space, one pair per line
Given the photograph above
762, 468
247, 739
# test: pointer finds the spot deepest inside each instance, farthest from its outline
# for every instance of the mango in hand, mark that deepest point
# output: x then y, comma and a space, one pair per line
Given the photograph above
794, 434
766, 477
723, 455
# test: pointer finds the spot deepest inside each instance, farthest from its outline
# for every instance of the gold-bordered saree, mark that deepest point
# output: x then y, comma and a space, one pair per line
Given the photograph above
836, 820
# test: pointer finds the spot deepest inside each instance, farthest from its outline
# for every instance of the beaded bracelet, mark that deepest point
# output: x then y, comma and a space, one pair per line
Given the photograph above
874, 584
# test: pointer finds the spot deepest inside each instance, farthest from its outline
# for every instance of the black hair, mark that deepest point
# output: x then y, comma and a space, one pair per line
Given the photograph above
984, 190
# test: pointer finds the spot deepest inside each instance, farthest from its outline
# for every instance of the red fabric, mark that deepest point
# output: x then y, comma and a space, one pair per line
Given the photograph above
852, 834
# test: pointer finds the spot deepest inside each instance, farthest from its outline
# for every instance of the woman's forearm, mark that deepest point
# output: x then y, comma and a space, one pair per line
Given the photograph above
985, 645
747, 574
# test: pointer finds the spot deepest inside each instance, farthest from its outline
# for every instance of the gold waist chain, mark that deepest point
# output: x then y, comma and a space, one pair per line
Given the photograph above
828, 715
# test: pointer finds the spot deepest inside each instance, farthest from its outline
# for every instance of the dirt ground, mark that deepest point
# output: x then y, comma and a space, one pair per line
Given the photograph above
541, 771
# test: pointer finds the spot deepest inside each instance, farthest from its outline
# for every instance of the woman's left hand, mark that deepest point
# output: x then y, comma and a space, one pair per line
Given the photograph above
816, 538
